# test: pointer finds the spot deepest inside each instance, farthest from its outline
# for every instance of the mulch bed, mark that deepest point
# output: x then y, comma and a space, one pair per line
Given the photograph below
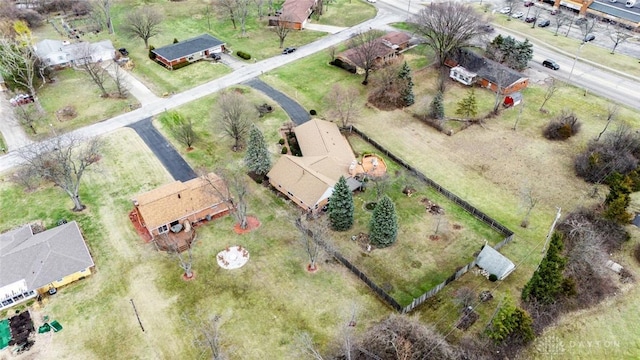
252, 224
468, 318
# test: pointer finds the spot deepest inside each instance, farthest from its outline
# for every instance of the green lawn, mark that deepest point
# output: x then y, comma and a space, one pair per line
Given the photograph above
264, 306
347, 13
74, 88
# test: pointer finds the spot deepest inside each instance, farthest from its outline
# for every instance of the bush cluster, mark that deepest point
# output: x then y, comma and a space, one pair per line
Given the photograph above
618, 151
152, 55
563, 127
243, 55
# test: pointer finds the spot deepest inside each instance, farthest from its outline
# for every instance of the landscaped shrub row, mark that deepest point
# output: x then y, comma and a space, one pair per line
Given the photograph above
243, 55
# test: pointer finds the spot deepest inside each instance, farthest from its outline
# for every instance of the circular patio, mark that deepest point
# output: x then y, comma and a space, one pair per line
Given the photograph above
233, 257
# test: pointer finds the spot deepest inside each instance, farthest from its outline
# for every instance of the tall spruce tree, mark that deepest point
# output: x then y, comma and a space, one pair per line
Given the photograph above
383, 229
257, 158
407, 91
547, 281
468, 107
436, 109
341, 206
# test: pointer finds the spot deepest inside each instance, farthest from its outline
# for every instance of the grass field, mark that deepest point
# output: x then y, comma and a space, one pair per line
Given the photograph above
259, 321
347, 13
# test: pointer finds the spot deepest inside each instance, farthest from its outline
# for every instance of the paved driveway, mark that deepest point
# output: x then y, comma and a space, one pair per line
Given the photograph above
296, 112
170, 158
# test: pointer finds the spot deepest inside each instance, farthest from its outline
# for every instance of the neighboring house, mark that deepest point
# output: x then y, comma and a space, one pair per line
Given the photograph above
177, 206
188, 51
326, 155
32, 264
388, 48
488, 73
64, 53
494, 263
294, 14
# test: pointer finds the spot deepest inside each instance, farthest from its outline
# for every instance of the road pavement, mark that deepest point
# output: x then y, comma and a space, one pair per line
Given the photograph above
163, 150
241, 75
295, 111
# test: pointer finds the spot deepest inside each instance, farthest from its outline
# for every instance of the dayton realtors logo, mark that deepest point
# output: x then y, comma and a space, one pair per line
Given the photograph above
553, 347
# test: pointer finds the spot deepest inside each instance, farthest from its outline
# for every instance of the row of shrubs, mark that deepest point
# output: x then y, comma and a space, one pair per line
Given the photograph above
243, 55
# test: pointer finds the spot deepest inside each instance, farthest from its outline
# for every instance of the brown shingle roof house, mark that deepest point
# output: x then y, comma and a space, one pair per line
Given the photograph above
34, 263
387, 48
326, 155
295, 13
176, 203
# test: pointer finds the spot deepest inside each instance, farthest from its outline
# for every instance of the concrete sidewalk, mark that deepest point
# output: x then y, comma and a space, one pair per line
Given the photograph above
13, 134
136, 88
324, 28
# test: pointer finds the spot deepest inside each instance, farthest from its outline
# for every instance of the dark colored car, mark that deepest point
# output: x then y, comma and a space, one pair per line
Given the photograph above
544, 23
589, 37
551, 64
528, 3
486, 28
288, 50
123, 51
215, 56
530, 19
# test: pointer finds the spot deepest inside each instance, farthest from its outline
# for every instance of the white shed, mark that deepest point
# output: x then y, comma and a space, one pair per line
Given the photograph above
462, 75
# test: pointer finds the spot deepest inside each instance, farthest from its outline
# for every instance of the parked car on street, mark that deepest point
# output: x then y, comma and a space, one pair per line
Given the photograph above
551, 64
288, 50
530, 19
517, 15
589, 37
528, 3
544, 23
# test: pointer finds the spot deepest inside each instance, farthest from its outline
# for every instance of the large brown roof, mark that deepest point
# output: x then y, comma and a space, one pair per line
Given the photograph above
385, 46
304, 183
323, 138
296, 10
177, 200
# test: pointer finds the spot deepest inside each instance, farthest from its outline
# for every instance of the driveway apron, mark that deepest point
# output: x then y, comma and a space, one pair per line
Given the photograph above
167, 154
296, 112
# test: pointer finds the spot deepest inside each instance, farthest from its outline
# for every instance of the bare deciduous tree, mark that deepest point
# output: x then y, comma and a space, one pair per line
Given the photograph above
587, 26
95, 70
618, 35
552, 87
536, 14
560, 19
226, 8
235, 117
366, 46
306, 348
232, 188
143, 23
312, 235
181, 128
122, 86
104, 8
19, 61
343, 105
63, 160
209, 336
447, 26
282, 28
464, 297
530, 199
612, 114
28, 115
184, 256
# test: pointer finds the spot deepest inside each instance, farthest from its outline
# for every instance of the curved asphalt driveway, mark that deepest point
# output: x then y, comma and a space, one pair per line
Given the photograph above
169, 157
296, 112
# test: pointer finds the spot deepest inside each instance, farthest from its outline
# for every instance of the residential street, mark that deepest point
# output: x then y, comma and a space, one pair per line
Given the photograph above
599, 80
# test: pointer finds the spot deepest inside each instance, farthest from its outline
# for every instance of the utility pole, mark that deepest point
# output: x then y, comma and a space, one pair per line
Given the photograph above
553, 226
576, 59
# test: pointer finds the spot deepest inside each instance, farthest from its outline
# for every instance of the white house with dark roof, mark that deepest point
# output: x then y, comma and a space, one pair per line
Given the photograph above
31, 264
188, 51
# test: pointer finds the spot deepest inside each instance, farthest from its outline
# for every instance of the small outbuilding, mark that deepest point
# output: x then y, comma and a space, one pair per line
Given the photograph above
512, 100
462, 75
494, 263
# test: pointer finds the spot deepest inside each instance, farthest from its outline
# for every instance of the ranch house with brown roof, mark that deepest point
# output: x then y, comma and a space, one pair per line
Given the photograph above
294, 13
326, 155
174, 208
388, 48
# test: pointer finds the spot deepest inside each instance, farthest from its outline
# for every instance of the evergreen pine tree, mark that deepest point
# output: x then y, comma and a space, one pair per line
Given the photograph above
436, 109
341, 206
383, 229
511, 321
547, 281
407, 92
468, 107
257, 158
